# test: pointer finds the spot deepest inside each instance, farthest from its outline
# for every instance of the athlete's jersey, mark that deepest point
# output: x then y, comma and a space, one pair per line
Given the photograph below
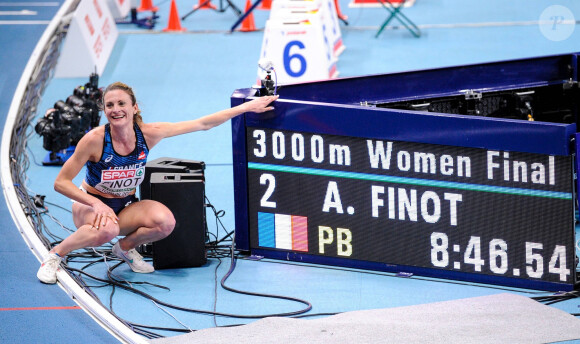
116, 174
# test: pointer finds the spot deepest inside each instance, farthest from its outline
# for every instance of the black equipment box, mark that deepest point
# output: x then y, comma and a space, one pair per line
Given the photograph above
168, 165
179, 185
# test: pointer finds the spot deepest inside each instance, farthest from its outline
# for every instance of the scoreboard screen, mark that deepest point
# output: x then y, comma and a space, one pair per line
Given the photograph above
412, 206
464, 173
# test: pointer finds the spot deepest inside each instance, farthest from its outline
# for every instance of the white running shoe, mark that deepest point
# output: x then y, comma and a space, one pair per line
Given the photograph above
134, 259
49, 268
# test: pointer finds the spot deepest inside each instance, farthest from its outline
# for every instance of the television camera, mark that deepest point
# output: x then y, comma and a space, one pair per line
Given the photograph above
69, 120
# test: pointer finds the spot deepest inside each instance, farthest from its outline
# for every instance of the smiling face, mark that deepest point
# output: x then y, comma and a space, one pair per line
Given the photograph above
119, 107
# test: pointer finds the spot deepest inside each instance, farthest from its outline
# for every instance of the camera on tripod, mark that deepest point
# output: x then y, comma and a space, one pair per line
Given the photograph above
63, 127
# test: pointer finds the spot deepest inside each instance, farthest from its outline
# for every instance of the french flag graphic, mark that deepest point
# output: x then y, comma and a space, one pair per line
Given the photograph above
288, 232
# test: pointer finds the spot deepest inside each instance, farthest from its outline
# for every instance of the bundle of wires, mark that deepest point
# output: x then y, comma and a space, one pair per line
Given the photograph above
22, 129
218, 248
558, 297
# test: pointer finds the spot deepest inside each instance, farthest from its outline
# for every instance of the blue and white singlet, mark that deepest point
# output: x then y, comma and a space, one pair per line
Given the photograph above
116, 174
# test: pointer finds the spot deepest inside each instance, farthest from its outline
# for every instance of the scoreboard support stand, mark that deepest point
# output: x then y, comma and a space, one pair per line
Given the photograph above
463, 173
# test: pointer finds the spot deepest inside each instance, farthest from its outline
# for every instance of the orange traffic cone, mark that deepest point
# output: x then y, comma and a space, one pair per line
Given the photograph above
265, 5
205, 5
174, 22
338, 13
248, 23
147, 5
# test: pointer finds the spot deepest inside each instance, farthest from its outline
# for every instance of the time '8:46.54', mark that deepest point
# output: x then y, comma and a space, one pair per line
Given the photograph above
498, 257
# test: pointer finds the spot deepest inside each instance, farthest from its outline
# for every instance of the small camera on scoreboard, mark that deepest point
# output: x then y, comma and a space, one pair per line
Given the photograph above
268, 85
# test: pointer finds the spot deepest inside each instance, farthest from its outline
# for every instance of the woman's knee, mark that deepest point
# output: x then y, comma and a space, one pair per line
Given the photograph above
150, 214
168, 224
105, 233
163, 220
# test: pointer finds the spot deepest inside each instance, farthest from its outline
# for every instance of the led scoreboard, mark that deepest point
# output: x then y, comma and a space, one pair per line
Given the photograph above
474, 198
401, 203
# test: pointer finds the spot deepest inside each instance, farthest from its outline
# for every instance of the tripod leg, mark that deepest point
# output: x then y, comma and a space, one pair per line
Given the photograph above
236, 9
241, 19
195, 9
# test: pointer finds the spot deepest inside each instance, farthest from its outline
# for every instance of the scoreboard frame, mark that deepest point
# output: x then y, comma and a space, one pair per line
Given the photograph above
339, 109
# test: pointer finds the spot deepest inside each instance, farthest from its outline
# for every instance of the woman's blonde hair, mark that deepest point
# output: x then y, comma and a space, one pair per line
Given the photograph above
127, 89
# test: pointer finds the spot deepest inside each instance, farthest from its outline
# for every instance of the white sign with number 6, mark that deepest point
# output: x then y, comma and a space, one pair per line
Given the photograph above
299, 50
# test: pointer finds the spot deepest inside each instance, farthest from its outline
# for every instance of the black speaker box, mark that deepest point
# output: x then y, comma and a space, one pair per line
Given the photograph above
184, 195
168, 165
